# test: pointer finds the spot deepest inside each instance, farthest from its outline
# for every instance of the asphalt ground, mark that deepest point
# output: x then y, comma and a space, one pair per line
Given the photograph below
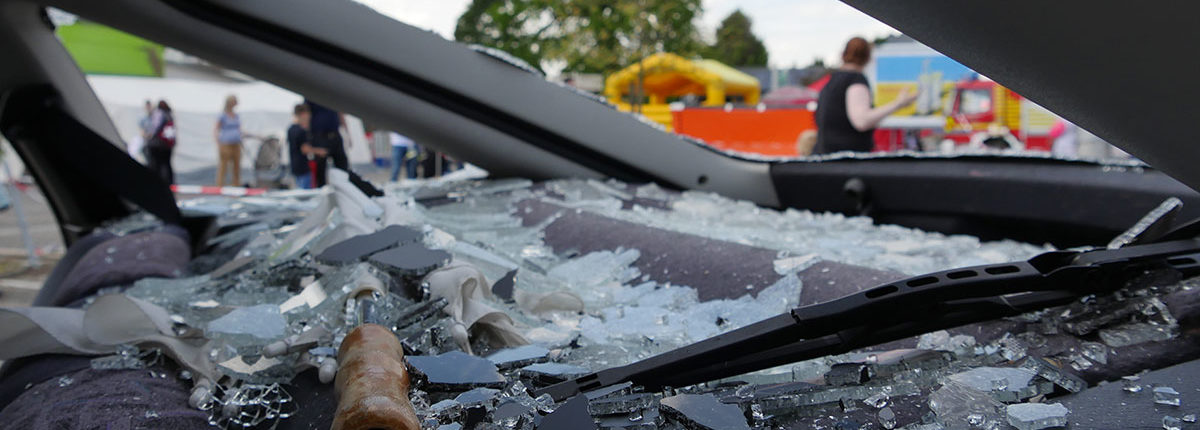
20, 276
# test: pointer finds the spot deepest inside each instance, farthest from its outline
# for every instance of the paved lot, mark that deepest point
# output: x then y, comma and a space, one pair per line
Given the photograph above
20, 282
42, 227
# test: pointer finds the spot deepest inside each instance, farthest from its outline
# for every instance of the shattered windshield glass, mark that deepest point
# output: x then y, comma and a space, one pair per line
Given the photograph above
498, 288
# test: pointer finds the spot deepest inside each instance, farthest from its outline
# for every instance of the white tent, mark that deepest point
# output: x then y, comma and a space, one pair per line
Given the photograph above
265, 109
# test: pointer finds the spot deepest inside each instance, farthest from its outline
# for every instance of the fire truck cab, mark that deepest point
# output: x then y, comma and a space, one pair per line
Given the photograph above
977, 105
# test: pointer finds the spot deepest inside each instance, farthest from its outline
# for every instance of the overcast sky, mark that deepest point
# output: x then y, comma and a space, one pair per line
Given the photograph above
795, 31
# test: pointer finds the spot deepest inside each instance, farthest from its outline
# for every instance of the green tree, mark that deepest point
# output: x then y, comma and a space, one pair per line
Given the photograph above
508, 25
590, 36
736, 44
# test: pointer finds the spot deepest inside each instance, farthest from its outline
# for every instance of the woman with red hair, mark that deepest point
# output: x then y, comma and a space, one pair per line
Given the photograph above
845, 116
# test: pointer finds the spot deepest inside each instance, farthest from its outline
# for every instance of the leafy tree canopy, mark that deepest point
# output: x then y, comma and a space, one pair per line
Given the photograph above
590, 36
736, 44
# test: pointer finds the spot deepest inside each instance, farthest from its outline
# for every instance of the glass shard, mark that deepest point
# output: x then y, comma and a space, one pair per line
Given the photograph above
625, 404
849, 405
1095, 352
519, 356
410, 260
1152, 224
448, 408
646, 419
924, 426
1131, 384
788, 265
941, 340
571, 415
1135, 333
549, 373
1054, 374
503, 287
456, 370
1006, 384
260, 321
975, 419
358, 248
1079, 363
257, 370
612, 390
887, 418
474, 416
1171, 423
477, 396
704, 411
877, 400
126, 357
512, 414
413, 315
960, 407
250, 405
1037, 416
1166, 396
847, 374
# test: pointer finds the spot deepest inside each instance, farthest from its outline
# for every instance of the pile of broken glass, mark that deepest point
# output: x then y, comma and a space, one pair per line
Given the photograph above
500, 287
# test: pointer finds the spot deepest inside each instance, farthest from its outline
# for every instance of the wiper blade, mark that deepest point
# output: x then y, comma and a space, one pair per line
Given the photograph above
894, 311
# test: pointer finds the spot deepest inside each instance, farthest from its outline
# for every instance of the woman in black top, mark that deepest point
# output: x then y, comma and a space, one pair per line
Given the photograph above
845, 118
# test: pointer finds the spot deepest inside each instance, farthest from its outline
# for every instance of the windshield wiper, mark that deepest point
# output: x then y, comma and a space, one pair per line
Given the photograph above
897, 310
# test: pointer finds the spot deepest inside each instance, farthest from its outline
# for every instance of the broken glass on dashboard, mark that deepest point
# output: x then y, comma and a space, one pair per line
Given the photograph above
603, 274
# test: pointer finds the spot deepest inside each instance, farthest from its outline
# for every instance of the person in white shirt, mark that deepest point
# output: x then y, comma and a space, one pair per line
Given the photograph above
404, 154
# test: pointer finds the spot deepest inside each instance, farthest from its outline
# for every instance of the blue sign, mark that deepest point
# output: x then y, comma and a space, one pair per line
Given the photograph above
908, 69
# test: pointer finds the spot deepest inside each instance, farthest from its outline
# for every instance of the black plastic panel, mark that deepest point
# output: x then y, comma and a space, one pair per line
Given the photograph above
86, 179
1060, 202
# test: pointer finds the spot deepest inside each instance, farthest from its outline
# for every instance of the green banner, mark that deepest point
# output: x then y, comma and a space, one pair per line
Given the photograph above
101, 50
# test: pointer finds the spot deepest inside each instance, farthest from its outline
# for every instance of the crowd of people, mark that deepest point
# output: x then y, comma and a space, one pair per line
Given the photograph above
314, 144
845, 117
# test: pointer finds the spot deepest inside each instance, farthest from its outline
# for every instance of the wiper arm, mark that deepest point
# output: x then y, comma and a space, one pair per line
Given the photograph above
894, 311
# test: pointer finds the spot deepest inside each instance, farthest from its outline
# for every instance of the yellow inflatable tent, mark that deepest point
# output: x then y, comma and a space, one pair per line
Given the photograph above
666, 75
